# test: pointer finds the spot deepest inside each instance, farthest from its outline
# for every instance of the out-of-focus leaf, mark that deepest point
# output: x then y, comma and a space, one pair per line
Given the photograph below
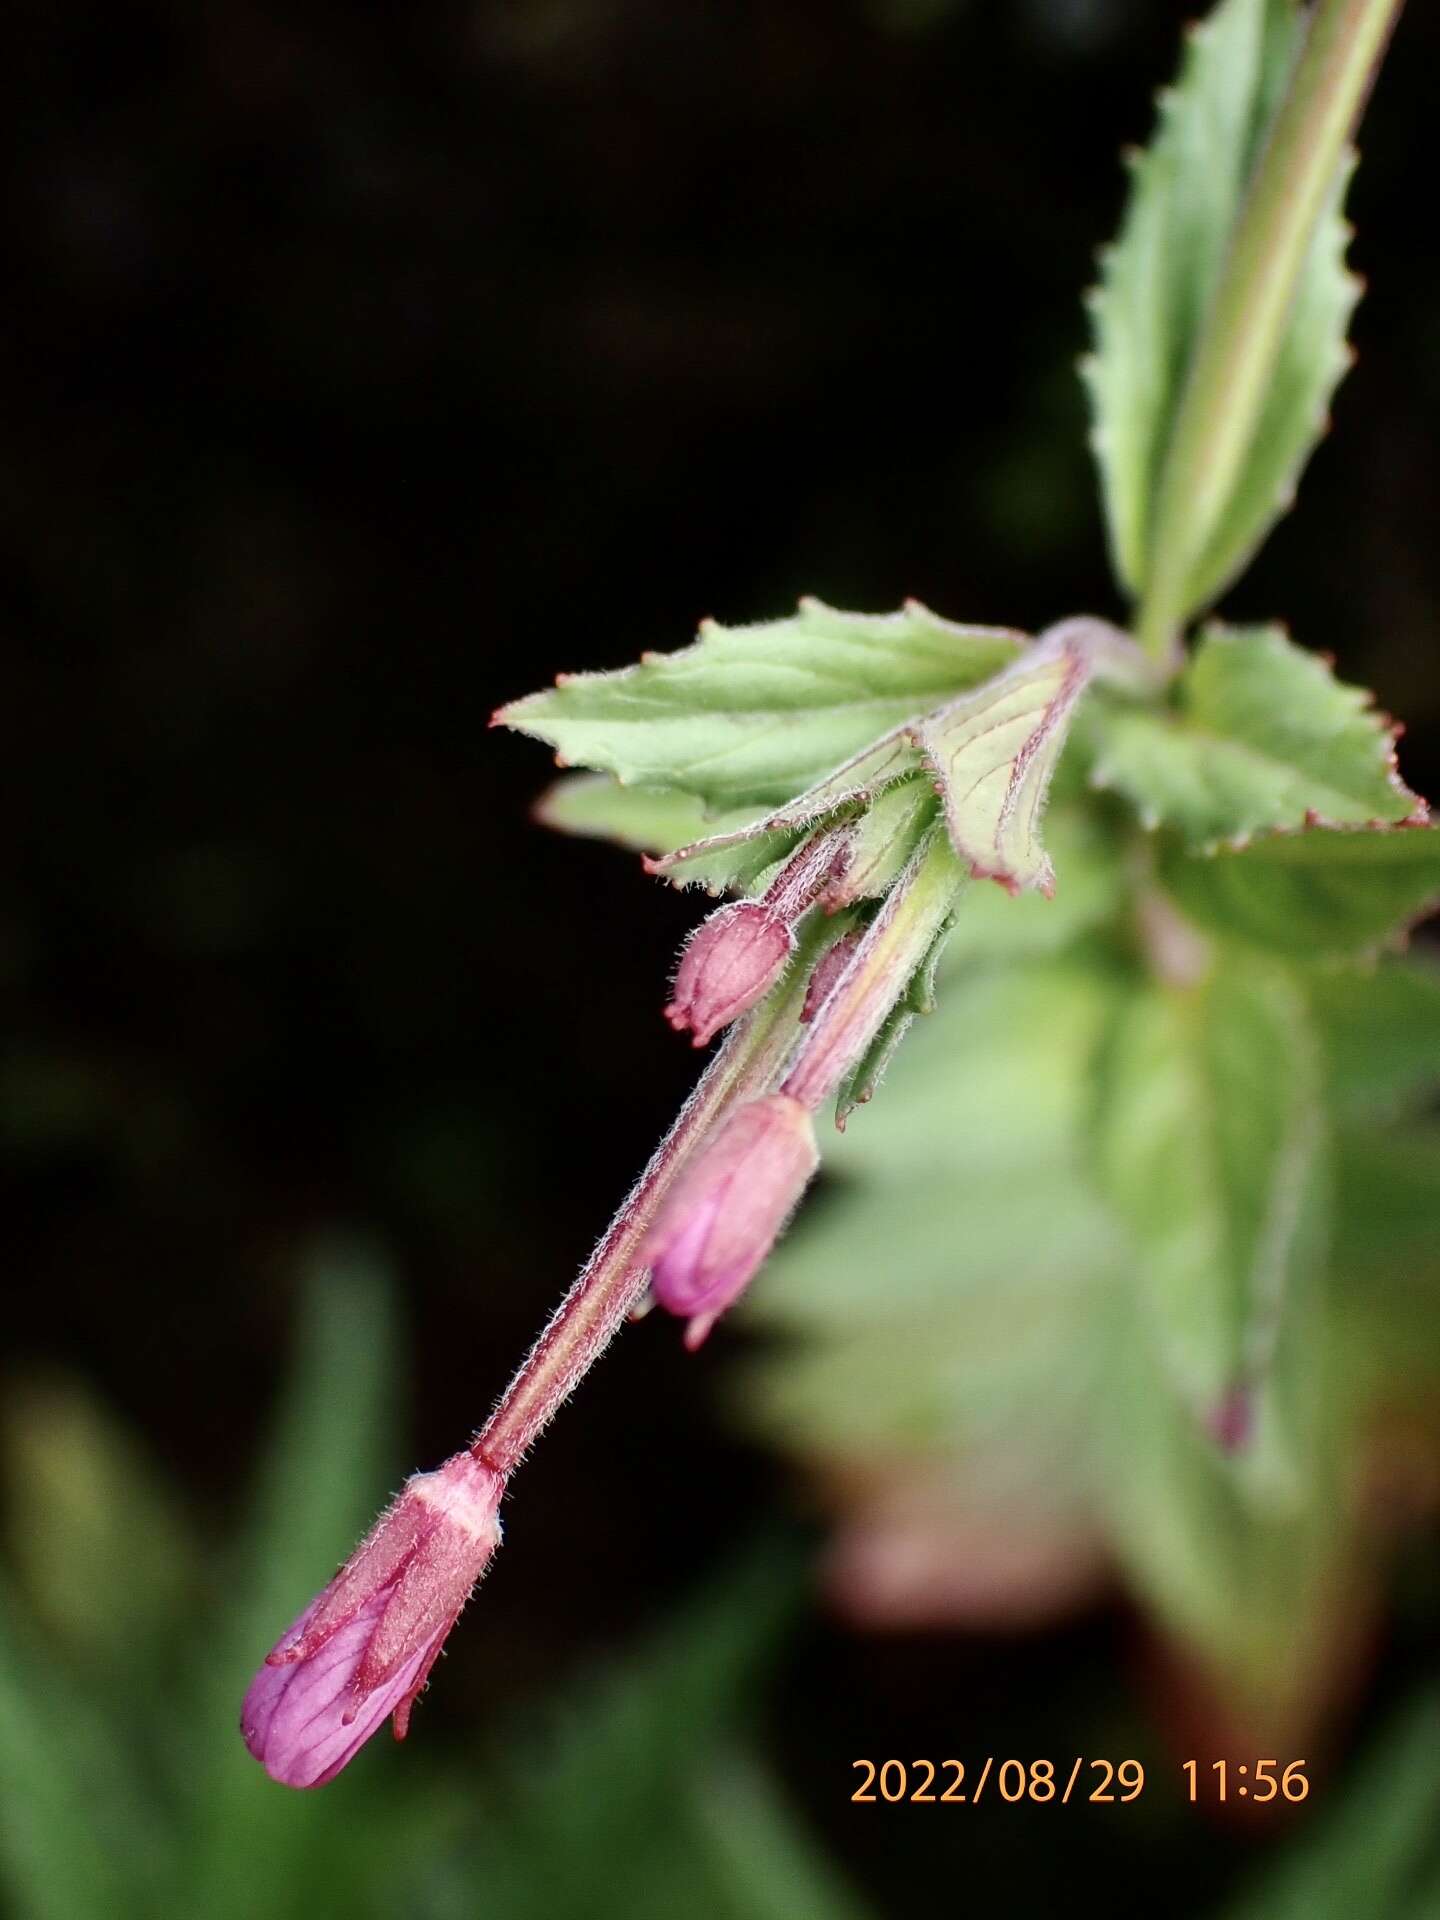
595, 806
330, 1465
1208, 1139
1381, 1031
633, 1804
931, 1302
78, 1838
965, 1307
1307, 895
1386, 1259
1247, 1570
1089, 882
754, 715
1156, 285
1262, 736
102, 1556
1373, 1854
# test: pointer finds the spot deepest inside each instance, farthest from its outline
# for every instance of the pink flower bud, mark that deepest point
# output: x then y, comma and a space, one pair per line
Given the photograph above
732, 960
364, 1647
1231, 1423
727, 1210
827, 970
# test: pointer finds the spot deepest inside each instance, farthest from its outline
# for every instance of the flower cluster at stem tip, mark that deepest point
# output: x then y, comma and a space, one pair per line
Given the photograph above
691, 1236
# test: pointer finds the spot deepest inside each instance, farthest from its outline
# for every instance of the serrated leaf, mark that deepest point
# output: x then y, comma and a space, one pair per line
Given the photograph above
1156, 286
993, 753
1314, 358
1208, 1139
1261, 736
755, 715
1314, 894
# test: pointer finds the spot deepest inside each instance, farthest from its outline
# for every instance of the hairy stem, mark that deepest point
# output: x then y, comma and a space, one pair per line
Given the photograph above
591, 1314
1245, 327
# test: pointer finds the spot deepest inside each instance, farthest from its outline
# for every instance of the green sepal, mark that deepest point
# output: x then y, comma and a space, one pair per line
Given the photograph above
993, 752
863, 1081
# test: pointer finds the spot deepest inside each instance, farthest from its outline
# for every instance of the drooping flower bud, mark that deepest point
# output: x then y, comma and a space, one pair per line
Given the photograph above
736, 956
727, 1210
1231, 1423
731, 961
363, 1648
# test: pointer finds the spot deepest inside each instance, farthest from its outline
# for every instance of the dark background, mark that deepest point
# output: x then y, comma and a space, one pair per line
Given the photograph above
360, 368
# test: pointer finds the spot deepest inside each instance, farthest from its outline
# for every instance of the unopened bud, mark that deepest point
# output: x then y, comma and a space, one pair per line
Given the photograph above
827, 970
363, 1649
1231, 1423
732, 960
727, 1210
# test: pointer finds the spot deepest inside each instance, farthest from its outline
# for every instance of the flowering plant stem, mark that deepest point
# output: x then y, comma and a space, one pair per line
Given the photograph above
1241, 340
893, 946
611, 1282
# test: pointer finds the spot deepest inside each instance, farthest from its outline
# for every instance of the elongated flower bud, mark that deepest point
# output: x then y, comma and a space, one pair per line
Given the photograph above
736, 956
731, 961
727, 1210
827, 971
363, 1649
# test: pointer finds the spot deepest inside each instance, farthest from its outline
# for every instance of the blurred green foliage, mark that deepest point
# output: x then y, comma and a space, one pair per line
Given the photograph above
127, 1636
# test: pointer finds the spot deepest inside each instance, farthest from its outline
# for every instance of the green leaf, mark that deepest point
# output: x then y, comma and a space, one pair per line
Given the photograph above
1090, 884
330, 1464
961, 1305
1248, 1574
1314, 894
993, 753
1386, 1258
1381, 1031
751, 716
1208, 1142
641, 1799
1156, 285
86, 1508
1262, 736
966, 1173
646, 819
79, 1840
1373, 1855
